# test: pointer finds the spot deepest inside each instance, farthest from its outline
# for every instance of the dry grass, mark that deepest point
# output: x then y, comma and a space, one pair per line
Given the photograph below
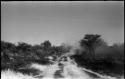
70, 71
9, 74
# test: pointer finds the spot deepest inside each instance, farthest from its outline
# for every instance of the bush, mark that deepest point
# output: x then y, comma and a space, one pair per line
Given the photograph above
17, 56
108, 59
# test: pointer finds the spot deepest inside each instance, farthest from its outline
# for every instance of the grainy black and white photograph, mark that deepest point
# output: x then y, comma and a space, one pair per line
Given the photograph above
62, 40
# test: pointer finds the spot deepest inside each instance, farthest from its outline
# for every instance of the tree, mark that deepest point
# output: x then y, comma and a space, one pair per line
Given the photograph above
90, 42
7, 45
46, 44
23, 46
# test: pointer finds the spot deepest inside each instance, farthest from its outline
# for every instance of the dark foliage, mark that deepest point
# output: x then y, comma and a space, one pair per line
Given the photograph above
107, 59
94, 54
18, 56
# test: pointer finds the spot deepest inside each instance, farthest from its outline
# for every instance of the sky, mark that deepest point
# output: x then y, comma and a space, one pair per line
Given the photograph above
61, 22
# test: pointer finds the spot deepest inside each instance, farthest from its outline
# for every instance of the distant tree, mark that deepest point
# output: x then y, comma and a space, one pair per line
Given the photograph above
7, 45
35, 47
59, 50
66, 47
90, 42
23, 46
46, 44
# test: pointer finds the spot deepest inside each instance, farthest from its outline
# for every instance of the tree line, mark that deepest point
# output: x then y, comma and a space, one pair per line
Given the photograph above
16, 56
94, 53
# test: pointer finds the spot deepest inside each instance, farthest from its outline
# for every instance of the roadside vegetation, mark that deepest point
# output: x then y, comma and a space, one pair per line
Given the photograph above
97, 55
94, 53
